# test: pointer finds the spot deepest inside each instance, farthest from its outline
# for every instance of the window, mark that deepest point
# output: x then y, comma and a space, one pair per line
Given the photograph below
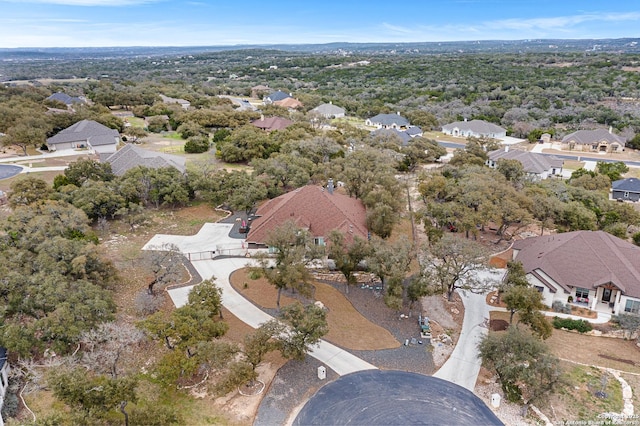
319, 241
582, 293
632, 306
539, 288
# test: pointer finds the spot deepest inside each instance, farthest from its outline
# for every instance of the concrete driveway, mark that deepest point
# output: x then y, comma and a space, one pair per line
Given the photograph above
463, 365
211, 237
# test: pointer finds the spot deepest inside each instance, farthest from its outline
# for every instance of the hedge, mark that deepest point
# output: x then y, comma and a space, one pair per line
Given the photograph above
581, 326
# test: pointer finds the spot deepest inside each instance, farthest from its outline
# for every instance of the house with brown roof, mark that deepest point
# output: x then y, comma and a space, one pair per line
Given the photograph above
536, 166
591, 268
314, 208
289, 103
272, 123
599, 140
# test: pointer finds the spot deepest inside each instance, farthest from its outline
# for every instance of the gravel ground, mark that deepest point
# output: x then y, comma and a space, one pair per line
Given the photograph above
297, 381
294, 384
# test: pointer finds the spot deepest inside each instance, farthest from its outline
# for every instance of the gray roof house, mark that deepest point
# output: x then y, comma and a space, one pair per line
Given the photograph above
474, 128
388, 121
86, 134
131, 156
537, 166
329, 110
66, 99
272, 97
590, 268
626, 189
403, 137
599, 140
185, 104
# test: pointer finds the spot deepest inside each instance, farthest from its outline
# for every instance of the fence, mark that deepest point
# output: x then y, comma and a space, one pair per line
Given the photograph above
236, 249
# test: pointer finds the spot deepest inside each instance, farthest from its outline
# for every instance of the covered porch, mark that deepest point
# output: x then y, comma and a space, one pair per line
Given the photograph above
605, 298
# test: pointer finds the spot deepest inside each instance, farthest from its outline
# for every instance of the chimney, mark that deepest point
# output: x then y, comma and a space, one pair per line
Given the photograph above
330, 102
398, 112
261, 117
506, 148
465, 119
610, 129
330, 186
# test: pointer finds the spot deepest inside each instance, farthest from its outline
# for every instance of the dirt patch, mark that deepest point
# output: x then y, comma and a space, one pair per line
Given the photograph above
498, 325
445, 319
347, 327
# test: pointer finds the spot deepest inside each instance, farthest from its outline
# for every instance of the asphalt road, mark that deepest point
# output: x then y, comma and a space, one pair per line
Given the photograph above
7, 171
377, 397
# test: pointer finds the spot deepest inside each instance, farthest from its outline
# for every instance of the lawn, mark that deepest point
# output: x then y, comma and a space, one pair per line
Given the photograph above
347, 327
583, 359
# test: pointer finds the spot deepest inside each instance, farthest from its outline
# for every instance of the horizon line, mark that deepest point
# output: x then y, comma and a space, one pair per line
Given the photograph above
321, 44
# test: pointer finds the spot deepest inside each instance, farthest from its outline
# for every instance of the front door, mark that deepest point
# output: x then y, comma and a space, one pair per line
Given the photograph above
606, 294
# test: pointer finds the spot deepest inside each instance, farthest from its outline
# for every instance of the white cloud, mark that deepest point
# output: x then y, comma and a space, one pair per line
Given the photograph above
559, 22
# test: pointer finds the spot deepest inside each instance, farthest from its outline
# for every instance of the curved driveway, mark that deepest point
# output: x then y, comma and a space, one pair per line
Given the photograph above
339, 360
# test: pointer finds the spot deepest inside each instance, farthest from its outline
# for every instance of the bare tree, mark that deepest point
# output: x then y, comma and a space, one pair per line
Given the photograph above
454, 263
104, 345
166, 263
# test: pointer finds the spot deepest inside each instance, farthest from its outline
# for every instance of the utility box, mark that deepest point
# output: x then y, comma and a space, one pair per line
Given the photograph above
495, 400
322, 372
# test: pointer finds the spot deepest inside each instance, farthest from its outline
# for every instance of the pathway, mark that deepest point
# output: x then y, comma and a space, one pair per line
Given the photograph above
339, 360
463, 365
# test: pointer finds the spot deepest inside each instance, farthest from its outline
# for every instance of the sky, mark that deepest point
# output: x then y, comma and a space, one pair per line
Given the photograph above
103, 23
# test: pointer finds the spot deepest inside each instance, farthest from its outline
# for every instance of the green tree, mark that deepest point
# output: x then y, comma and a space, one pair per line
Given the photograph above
197, 144
613, 170
85, 170
526, 368
96, 395
293, 249
389, 259
98, 200
347, 256
307, 326
28, 190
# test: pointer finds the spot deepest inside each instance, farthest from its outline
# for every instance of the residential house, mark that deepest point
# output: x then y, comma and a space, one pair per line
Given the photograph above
185, 104
272, 123
289, 103
474, 128
69, 101
272, 97
86, 134
388, 121
414, 131
314, 208
131, 156
626, 189
402, 136
259, 91
599, 140
329, 111
590, 268
536, 166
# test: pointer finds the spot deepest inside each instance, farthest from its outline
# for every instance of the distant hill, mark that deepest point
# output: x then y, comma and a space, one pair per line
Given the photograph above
623, 45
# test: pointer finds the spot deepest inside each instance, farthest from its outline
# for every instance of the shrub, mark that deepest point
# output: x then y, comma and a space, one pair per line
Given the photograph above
197, 145
557, 306
581, 326
147, 304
